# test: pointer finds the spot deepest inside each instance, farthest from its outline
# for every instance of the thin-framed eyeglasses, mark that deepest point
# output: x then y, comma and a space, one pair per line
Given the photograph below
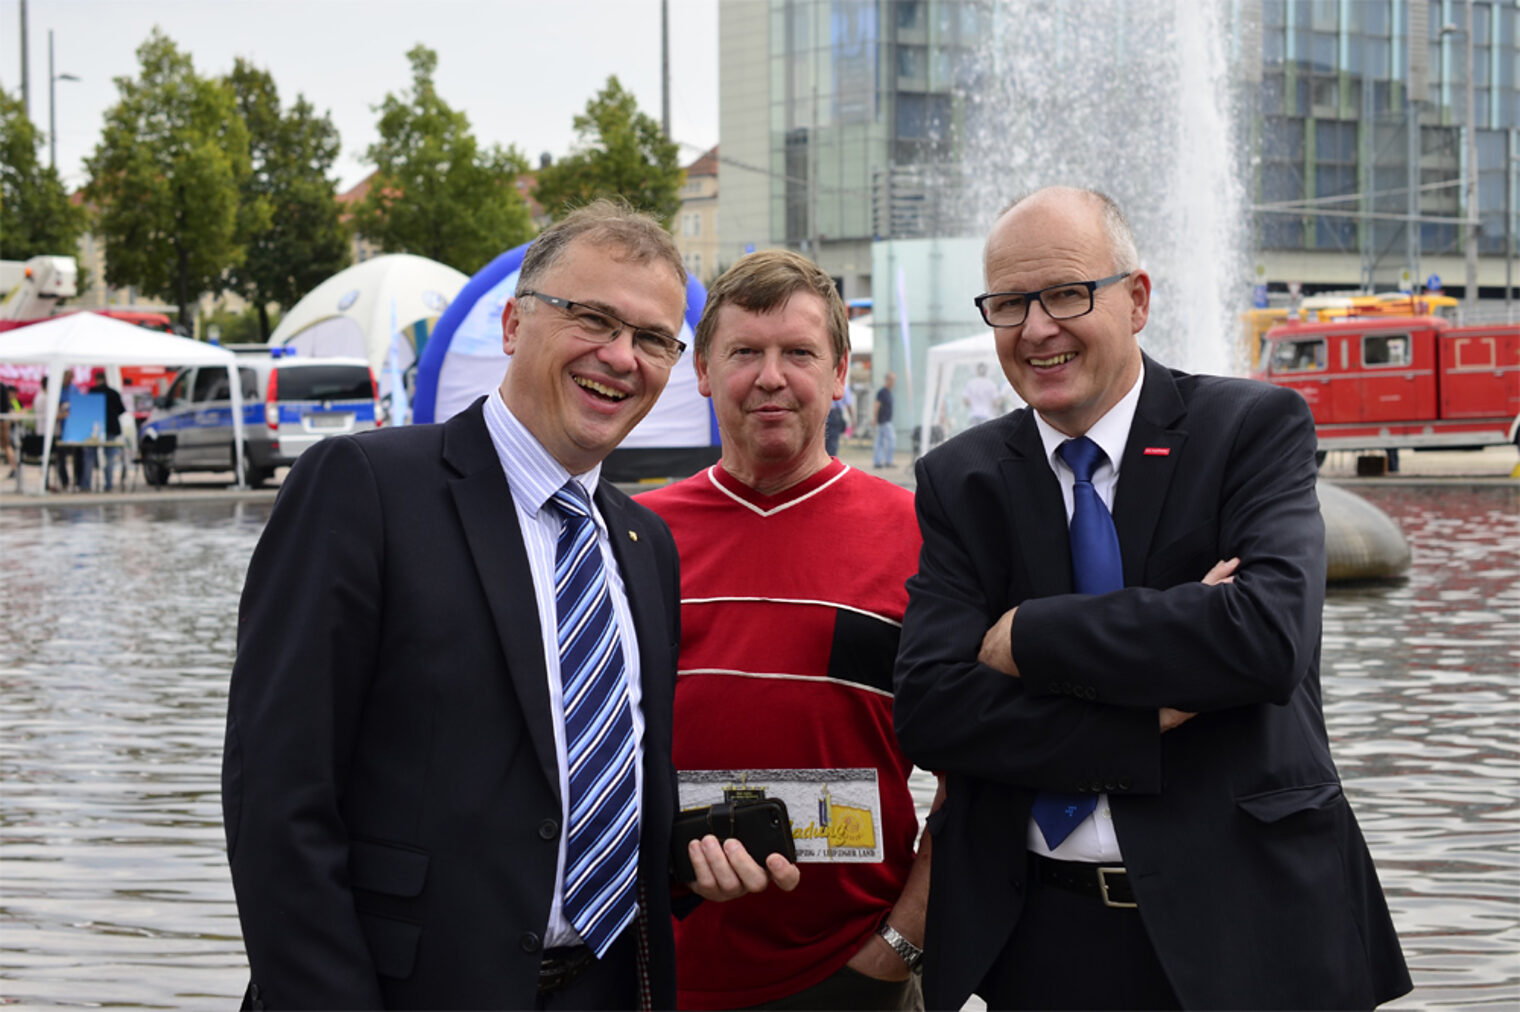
602, 327
1065, 301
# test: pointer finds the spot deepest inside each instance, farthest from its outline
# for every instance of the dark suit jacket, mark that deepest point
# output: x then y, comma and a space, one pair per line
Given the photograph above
389, 785
1253, 880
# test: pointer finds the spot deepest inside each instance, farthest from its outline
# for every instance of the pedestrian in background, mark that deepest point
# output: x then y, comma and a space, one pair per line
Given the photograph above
115, 408
886, 436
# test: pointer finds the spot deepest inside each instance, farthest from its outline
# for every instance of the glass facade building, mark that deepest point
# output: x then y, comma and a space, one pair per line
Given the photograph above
1362, 117
843, 122
831, 112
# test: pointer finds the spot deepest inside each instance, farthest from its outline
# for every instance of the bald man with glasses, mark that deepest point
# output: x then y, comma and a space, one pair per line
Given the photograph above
1141, 807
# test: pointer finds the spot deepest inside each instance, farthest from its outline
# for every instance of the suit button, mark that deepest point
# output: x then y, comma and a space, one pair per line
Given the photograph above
530, 942
548, 829
1090, 692
1081, 788
1111, 786
1124, 783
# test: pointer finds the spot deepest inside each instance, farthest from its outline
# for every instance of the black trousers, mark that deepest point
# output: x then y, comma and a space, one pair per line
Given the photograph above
1069, 951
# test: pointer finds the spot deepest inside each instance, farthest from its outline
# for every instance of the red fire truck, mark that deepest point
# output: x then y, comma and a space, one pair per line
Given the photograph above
1401, 382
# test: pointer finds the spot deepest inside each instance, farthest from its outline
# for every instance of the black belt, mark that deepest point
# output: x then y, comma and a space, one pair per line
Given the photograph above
561, 966
1108, 883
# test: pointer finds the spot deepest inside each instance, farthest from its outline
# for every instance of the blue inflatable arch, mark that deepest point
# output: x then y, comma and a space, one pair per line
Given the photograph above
463, 360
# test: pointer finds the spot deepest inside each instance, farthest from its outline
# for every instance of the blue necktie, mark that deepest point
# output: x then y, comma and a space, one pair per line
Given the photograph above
601, 851
1096, 568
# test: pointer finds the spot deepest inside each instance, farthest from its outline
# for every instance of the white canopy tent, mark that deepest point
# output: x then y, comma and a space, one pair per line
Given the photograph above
358, 311
89, 339
861, 336
950, 367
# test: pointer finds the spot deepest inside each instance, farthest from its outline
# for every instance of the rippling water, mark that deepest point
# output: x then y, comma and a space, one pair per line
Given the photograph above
116, 636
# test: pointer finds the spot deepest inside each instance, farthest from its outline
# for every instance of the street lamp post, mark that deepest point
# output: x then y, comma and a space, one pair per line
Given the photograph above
53, 79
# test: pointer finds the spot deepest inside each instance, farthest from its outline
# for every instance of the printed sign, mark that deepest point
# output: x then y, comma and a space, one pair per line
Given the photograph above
836, 814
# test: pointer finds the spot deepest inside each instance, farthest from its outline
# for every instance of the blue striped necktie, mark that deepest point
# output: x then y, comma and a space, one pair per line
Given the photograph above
1096, 568
601, 851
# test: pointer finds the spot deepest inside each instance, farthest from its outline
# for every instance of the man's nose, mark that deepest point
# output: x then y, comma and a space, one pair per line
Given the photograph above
771, 376
1037, 322
618, 353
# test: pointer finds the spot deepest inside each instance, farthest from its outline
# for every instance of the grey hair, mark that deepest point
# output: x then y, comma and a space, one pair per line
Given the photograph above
1121, 238
615, 224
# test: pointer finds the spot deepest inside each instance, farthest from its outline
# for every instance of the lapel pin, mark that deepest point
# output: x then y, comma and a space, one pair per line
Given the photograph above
633, 535
1158, 451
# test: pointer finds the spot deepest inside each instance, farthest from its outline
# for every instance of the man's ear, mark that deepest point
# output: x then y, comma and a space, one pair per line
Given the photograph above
1140, 300
841, 375
699, 363
511, 320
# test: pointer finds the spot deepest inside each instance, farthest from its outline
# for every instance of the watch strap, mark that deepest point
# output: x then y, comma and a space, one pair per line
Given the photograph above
909, 953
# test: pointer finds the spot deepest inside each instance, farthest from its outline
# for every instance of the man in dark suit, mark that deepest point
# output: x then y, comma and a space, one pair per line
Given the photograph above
399, 806
1142, 811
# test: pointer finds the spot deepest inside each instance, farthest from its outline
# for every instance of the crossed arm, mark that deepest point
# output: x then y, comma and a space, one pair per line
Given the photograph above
997, 645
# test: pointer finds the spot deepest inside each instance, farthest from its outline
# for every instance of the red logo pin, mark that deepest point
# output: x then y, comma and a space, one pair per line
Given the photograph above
1158, 451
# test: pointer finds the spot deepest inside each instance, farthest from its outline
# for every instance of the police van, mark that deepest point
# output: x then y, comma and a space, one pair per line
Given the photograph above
289, 403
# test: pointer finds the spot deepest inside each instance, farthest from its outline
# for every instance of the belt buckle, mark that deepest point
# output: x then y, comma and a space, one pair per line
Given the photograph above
1103, 874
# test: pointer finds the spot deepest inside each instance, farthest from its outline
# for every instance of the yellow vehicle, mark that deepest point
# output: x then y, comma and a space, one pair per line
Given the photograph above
1336, 306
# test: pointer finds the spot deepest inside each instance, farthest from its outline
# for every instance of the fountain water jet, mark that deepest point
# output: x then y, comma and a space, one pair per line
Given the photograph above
1133, 99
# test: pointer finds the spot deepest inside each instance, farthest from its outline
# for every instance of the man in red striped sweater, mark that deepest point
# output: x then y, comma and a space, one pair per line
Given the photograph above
793, 567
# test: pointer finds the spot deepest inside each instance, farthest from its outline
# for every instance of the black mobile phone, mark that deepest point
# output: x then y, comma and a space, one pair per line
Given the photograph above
761, 825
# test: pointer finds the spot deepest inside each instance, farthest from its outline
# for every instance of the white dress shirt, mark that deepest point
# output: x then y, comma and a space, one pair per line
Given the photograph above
1094, 838
534, 476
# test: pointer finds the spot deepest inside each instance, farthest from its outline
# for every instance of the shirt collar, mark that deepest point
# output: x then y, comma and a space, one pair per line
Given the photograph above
533, 474
1111, 432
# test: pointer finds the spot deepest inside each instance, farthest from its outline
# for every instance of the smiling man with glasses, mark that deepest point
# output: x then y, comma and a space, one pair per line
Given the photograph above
448, 778
1142, 810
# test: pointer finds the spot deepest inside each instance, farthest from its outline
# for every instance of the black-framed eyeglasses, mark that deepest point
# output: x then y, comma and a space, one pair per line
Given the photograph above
602, 327
1065, 301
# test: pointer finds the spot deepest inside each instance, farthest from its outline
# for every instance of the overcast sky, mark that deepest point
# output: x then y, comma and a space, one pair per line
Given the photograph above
519, 69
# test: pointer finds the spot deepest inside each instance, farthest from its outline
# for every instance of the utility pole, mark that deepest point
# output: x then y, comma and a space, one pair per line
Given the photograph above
664, 66
26, 87
1471, 283
1418, 61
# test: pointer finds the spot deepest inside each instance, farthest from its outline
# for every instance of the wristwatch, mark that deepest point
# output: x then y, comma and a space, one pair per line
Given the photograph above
910, 953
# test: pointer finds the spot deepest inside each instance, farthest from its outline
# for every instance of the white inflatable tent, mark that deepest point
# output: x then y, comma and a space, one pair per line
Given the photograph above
355, 312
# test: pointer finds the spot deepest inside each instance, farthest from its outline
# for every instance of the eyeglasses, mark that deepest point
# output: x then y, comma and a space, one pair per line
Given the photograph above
603, 328
1065, 301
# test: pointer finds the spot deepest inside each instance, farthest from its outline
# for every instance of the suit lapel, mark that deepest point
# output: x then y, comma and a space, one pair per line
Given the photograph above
489, 518
1039, 515
1146, 477
633, 547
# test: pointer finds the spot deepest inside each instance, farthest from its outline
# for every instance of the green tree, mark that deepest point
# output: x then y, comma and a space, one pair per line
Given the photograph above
233, 327
435, 193
36, 216
165, 178
288, 221
621, 152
